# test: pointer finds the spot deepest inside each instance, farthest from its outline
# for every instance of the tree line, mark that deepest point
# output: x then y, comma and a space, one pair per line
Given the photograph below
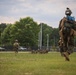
26, 31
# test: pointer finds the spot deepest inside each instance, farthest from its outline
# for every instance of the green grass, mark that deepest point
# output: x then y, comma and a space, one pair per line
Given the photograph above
36, 64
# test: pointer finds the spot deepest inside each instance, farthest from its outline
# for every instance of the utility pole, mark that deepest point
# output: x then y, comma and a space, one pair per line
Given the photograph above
47, 41
39, 40
41, 36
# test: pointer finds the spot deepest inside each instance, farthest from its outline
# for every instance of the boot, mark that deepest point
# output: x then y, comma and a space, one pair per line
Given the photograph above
66, 55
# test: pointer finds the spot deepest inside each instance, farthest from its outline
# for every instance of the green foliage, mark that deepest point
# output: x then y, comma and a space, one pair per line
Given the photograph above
6, 35
54, 37
2, 27
26, 31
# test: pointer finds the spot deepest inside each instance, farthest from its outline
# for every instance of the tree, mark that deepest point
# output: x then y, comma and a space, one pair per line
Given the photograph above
6, 35
2, 27
55, 36
25, 30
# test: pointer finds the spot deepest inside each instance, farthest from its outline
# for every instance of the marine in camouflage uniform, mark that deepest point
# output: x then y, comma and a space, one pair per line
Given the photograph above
70, 23
16, 46
63, 50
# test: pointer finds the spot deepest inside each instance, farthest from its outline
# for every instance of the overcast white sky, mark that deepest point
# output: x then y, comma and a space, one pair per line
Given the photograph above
46, 11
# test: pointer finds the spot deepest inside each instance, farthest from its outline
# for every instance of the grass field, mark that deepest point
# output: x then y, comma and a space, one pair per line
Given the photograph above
36, 64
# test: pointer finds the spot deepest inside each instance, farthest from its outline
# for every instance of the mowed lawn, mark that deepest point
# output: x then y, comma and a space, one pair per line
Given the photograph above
36, 64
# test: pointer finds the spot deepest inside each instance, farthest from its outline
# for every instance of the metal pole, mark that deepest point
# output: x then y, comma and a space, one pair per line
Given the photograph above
47, 41
38, 40
41, 37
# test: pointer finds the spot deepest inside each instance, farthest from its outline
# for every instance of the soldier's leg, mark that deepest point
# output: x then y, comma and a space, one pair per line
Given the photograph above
65, 53
61, 50
16, 51
71, 45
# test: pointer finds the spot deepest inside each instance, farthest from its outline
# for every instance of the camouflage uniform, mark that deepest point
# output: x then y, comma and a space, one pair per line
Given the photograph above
62, 50
60, 43
70, 23
16, 46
